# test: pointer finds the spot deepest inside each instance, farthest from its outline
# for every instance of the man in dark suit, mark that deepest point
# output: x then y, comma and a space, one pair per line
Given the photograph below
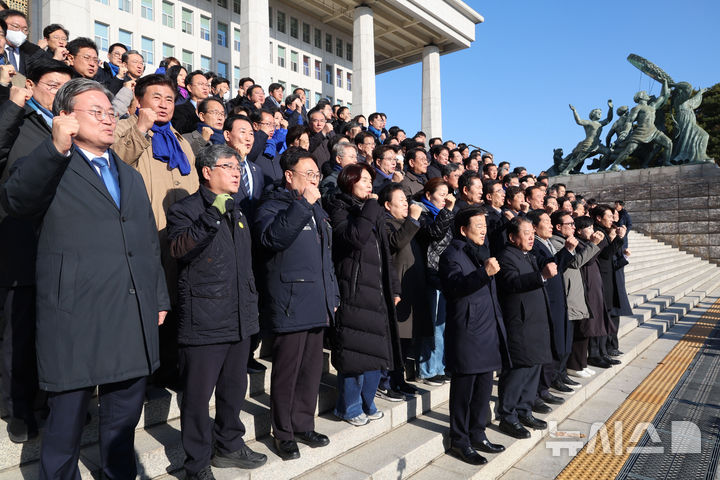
494, 197
475, 339
525, 312
17, 48
185, 117
101, 291
22, 129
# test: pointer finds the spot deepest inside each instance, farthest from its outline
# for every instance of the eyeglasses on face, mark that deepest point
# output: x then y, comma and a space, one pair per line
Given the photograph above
101, 115
52, 87
228, 166
310, 175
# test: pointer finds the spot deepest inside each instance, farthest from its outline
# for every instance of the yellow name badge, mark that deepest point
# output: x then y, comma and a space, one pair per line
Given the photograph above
240, 224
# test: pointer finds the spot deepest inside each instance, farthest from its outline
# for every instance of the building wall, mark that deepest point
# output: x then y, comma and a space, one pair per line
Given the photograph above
109, 21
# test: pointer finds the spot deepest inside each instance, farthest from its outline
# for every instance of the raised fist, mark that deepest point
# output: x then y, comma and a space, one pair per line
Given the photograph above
549, 271
64, 128
492, 266
415, 210
597, 237
450, 201
571, 243
146, 119
311, 193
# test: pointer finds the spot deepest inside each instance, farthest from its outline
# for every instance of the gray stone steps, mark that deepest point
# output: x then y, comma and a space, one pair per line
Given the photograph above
651, 270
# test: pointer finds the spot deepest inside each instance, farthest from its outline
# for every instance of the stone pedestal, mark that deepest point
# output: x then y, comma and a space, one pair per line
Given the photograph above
678, 205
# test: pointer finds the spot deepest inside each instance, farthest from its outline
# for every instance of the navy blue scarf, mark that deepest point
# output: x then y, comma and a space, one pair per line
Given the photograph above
216, 138
430, 206
374, 131
113, 68
166, 148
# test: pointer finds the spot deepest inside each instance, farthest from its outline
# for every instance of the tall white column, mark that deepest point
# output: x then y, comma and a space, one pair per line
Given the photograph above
431, 99
254, 41
363, 94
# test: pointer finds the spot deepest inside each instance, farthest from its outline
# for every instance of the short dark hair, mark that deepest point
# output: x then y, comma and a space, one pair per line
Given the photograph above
433, 140
116, 45
291, 98
435, 150
557, 216
351, 174
373, 116
126, 56
45, 65
74, 46
599, 210
245, 79
360, 137
467, 178
487, 166
341, 109
432, 185
143, 83
204, 105
275, 86
4, 5
512, 191
9, 12
508, 177
3, 25
529, 190
517, 169
503, 163
292, 156
296, 132
583, 222
52, 28
380, 150
617, 202
230, 121
534, 215
298, 89
446, 170
191, 75
513, 226
219, 81
462, 218
386, 193
412, 153
256, 116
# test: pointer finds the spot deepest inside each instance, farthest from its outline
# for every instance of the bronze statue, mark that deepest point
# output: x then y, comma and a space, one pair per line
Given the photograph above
691, 140
591, 145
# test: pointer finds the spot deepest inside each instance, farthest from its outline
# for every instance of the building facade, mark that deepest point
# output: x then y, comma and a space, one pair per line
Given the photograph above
330, 48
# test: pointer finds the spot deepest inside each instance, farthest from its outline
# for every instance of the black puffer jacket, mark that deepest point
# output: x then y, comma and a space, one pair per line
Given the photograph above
435, 235
216, 287
365, 336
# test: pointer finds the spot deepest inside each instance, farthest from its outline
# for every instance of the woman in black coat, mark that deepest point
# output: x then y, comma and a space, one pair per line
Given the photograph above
364, 338
475, 339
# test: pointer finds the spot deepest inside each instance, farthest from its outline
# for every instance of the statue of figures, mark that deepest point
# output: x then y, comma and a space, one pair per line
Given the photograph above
621, 128
644, 130
691, 140
591, 144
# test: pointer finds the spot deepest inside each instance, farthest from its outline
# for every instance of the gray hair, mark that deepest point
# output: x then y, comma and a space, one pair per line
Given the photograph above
126, 55
65, 97
449, 168
339, 149
209, 156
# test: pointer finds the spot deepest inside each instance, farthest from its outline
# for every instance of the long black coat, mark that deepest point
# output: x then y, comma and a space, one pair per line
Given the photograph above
599, 321
185, 117
100, 284
555, 289
475, 338
365, 335
413, 311
524, 306
216, 287
606, 262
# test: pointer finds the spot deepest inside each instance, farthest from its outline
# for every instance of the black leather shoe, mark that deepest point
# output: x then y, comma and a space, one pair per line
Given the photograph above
487, 447
467, 455
552, 399
598, 362
569, 381
561, 387
253, 366
242, 458
313, 439
611, 360
534, 423
515, 430
615, 352
541, 407
20, 431
287, 449
204, 474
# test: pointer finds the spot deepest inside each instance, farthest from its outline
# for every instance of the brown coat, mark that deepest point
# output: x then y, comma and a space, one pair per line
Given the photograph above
164, 187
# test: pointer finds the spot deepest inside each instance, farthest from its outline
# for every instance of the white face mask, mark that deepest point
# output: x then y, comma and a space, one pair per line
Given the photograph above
15, 37
226, 96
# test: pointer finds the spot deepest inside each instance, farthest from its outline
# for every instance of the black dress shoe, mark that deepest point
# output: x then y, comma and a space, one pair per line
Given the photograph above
615, 352
20, 431
569, 381
253, 366
204, 474
548, 397
312, 438
598, 362
242, 458
611, 360
541, 407
534, 423
487, 447
561, 387
515, 430
287, 449
467, 455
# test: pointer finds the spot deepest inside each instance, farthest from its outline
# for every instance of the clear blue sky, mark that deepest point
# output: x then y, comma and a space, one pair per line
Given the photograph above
509, 92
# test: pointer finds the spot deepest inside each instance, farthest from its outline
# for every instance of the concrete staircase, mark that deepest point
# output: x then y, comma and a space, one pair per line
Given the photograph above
664, 284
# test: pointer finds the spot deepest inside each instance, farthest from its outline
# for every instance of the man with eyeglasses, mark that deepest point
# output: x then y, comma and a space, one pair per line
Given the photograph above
298, 297
415, 176
210, 129
185, 118
83, 58
113, 66
149, 143
218, 313
17, 48
321, 132
24, 124
100, 286
56, 38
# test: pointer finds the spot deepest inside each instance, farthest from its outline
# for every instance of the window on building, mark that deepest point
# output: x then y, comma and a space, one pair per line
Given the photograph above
236, 76
102, 36
281, 22
328, 43
104, 2
187, 60
284, 85
348, 51
168, 14
222, 3
146, 9
328, 74
317, 70
236, 39
205, 28
349, 105
293, 27
281, 56
348, 83
306, 33
339, 47
318, 97
338, 78
222, 69
126, 38
222, 34
306, 65
318, 38
236, 7
168, 50
205, 63
307, 98
125, 5
270, 16
294, 61
147, 48
187, 21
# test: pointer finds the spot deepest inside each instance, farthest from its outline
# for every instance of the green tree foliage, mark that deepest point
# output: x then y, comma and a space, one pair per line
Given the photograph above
708, 117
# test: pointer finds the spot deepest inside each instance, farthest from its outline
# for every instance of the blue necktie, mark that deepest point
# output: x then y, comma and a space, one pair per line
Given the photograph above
245, 179
109, 179
11, 56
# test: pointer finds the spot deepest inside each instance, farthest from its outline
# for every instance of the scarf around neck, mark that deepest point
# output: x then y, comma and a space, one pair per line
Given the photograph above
430, 206
217, 137
166, 148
